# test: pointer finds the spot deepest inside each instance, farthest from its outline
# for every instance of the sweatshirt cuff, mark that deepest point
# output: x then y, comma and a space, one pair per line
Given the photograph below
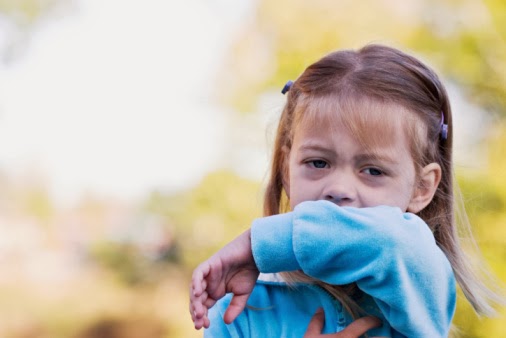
271, 243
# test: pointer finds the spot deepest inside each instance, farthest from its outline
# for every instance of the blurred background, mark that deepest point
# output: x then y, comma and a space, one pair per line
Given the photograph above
135, 137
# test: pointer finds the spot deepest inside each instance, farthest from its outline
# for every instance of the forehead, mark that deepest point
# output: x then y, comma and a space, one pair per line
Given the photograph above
371, 122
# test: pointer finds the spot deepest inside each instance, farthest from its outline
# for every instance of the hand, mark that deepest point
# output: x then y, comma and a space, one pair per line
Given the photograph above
354, 330
232, 269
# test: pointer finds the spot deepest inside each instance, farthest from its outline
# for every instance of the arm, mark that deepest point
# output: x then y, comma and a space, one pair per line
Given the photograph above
392, 256
233, 270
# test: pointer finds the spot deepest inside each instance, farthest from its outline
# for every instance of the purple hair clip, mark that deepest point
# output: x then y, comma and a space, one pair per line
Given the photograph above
287, 87
443, 127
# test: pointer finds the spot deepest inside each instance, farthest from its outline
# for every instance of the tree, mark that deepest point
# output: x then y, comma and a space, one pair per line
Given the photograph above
465, 40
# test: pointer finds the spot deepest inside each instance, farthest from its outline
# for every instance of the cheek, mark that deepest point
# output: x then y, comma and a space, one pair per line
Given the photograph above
305, 192
294, 193
402, 196
396, 195
300, 189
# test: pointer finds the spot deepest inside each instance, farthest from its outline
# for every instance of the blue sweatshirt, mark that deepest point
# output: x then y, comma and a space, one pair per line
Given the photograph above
391, 256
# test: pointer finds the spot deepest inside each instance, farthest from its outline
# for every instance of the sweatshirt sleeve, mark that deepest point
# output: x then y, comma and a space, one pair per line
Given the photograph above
391, 255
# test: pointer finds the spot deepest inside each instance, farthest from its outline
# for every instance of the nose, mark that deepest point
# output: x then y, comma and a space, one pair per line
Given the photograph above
340, 189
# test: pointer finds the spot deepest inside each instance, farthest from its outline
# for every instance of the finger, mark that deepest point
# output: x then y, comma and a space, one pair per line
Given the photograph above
198, 276
206, 322
234, 309
316, 324
361, 326
197, 321
197, 303
200, 320
198, 287
200, 323
193, 303
193, 299
199, 307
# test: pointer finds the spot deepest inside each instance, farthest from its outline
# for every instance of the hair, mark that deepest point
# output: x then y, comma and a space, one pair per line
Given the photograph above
379, 76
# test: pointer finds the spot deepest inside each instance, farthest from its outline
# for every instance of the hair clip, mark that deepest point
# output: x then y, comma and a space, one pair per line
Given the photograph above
287, 87
443, 127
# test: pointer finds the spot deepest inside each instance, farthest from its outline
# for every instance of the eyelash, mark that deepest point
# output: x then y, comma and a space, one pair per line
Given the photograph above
380, 173
313, 164
371, 171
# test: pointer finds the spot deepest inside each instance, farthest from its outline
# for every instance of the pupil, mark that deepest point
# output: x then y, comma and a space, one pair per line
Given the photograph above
319, 164
375, 172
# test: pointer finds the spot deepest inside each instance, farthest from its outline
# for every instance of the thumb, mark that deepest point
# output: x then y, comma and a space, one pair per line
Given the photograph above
236, 306
316, 324
361, 326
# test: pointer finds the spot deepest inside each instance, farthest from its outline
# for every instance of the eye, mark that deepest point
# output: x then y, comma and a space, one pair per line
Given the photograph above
373, 172
319, 164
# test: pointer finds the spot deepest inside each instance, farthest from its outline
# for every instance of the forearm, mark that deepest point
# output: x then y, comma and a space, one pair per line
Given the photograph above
390, 255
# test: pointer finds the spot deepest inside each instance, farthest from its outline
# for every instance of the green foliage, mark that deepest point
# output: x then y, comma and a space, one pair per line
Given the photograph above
464, 40
485, 200
123, 259
485, 192
208, 216
124, 328
129, 265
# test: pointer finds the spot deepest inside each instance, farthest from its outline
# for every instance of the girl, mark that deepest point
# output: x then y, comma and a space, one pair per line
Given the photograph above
363, 159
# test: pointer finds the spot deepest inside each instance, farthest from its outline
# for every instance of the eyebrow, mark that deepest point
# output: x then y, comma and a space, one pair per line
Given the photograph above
314, 146
384, 158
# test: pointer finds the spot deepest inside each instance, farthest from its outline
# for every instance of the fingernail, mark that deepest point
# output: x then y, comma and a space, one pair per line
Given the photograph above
319, 310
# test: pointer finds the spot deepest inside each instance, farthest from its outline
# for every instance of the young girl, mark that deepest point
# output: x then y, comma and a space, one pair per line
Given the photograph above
358, 212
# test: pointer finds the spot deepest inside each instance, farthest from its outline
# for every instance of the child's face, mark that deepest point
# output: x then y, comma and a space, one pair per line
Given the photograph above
327, 163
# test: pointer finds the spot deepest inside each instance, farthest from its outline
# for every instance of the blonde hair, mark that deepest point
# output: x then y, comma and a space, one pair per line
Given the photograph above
381, 76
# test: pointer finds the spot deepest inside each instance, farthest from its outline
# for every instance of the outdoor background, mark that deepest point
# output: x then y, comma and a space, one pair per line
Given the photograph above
135, 137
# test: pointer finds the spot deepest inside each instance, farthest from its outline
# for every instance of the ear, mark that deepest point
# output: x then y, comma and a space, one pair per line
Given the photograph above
429, 179
285, 171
